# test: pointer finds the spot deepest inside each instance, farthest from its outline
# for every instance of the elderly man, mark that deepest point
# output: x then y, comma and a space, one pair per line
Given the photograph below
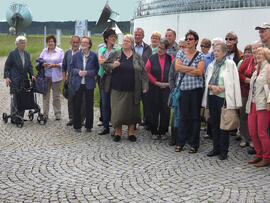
173, 46
17, 67
264, 32
66, 71
145, 51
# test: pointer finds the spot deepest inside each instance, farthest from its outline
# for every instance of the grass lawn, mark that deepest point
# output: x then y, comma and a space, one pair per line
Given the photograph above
35, 45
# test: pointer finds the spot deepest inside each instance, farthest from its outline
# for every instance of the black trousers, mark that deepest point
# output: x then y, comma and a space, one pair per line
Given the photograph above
159, 114
190, 120
70, 109
88, 94
221, 138
100, 99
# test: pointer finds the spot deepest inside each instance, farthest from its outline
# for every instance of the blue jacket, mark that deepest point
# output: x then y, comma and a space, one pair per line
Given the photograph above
208, 59
92, 67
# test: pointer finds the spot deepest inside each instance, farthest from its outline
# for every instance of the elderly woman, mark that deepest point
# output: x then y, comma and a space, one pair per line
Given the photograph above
158, 67
182, 43
205, 46
17, 68
127, 79
247, 54
53, 57
155, 38
221, 87
245, 72
84, 68
191, 86
258, 107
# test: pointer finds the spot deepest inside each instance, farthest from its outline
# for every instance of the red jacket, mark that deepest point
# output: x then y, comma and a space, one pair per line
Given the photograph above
245, 71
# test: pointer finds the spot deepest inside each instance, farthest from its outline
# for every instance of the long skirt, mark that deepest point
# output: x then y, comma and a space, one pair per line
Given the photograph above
123, 109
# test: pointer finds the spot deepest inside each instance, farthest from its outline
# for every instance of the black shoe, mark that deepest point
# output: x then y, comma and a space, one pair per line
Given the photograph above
104, 131
222, 156
88, 130
78, 130
146, 127
212, 153
251, 151
70, 123
132, 138
117, 138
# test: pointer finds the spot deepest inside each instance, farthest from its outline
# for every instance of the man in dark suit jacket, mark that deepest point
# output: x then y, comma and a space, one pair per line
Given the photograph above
67, 77
17, 67
145, 51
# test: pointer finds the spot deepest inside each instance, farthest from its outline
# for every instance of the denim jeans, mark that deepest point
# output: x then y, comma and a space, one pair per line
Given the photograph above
105, 108
220, 137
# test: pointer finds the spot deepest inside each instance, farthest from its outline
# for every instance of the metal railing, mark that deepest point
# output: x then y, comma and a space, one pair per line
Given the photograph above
155, 7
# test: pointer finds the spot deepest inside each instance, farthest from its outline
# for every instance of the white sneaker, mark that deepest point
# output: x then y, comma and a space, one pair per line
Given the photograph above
164, 136
251, 144
99, 123
154, 137
243, 143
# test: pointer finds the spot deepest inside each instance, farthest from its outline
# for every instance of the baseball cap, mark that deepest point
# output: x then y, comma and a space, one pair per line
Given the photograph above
263, 26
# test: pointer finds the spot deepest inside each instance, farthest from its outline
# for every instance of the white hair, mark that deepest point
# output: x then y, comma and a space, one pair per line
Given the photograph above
182, 39
217, 40
20, 38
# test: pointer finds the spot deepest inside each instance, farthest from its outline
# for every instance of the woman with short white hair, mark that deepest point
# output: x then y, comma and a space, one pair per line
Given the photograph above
222, 87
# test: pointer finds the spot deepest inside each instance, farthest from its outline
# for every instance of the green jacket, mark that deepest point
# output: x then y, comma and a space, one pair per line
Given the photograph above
141, 77
102, 50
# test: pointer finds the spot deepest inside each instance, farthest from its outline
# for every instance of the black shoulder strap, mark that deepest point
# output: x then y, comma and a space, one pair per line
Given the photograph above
181, 79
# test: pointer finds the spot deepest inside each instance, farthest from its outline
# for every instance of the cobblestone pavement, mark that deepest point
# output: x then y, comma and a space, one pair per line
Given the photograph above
52, 163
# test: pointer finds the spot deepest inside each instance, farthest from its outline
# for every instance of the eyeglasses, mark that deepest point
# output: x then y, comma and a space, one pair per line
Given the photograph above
181, 47
189, 39
204, 46
230, 39
162, 48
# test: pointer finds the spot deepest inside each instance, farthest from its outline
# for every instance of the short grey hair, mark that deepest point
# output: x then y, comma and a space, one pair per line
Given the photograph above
257, 42
182, 39
216, 40
139, 28
223, 47
20, 38
165, 42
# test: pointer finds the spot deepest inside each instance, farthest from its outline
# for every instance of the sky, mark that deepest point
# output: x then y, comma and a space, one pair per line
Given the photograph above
70, 10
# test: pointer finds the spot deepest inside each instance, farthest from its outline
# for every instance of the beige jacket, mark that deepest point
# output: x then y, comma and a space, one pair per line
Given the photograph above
262, 96
231, 84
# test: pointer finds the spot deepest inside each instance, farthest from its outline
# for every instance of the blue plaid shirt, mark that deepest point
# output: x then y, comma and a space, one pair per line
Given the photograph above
190, 82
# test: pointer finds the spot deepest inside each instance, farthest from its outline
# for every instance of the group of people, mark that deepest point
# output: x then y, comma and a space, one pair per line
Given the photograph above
135, 72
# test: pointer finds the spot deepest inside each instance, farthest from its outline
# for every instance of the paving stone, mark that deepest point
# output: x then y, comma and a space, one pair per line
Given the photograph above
52, 163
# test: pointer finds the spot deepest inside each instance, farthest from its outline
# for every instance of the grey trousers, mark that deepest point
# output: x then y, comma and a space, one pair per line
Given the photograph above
56, 90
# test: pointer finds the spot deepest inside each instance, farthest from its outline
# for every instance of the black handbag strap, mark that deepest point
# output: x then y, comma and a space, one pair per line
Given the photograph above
181, 79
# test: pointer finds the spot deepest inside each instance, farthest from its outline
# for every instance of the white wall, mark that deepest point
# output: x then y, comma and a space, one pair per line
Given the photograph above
209, 24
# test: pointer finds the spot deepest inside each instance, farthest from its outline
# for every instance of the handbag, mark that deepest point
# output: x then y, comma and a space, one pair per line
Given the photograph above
40, 84
229, 119
204, 114
174, 91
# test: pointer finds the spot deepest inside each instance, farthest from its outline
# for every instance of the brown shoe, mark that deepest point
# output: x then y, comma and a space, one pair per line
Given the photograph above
254, 160
263, 163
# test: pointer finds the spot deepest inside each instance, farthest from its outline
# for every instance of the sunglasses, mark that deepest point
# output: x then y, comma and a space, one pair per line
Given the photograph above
189, 39
230, 39
203, 46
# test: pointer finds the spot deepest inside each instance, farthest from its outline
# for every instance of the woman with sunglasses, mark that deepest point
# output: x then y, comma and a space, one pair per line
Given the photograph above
233, 52
205, 46
191, 86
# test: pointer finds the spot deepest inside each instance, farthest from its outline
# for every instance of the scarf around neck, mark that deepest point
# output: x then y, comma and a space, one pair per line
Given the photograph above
215, 76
